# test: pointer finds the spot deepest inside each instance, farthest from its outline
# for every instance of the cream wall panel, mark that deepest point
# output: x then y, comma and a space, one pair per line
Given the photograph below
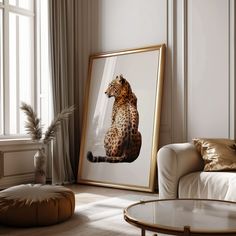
16, 179
118, 25
207, 68
18, 162
177, 68
199, 88
123, 24
232, 84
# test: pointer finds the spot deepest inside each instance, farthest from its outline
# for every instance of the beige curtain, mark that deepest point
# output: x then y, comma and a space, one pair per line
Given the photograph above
62, 48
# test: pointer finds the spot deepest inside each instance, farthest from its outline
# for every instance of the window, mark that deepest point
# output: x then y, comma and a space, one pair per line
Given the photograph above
44, 86
22, 46
25, 4
1, 72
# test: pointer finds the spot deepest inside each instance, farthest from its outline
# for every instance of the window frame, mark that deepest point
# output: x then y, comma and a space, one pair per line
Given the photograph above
1, 72
6, 10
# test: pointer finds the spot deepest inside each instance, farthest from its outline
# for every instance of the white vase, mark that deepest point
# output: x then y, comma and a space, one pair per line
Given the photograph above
40, 160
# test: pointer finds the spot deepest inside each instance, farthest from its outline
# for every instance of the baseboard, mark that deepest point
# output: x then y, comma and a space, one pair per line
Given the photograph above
9, 181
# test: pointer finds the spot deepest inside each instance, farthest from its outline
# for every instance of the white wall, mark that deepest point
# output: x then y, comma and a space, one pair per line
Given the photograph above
199, 89
209, 64
125, 24
199, 98
122, 24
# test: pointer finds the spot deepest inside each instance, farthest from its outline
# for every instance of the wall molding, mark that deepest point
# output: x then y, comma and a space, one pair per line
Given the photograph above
15, 180
178, 28
185, 69
18, 152
170, 58
177, 44
1, 165
18, 162
232, 84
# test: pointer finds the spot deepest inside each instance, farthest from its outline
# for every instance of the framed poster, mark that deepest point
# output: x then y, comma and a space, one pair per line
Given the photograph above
122, 119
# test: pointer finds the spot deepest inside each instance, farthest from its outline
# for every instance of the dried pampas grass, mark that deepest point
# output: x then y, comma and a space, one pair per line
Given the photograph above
32, 125
51, 131
34, 128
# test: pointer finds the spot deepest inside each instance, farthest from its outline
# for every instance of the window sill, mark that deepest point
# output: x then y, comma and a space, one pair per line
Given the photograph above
16, 141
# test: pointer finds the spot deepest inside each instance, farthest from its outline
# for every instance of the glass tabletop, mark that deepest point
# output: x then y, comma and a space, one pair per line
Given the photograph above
199, 215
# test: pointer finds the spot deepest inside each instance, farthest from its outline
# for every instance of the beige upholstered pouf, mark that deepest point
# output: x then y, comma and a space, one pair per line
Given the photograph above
36, 205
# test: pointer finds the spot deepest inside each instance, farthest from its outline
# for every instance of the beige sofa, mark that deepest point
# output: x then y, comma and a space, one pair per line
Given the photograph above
180, 175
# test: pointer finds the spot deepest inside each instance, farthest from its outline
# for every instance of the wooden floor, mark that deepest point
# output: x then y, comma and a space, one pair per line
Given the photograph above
96, 214
101, 193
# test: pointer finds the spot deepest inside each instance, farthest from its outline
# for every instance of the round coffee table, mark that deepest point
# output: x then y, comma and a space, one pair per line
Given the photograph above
195, 217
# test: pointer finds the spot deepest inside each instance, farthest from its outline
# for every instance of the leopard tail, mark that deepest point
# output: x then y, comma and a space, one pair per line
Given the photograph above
92, 158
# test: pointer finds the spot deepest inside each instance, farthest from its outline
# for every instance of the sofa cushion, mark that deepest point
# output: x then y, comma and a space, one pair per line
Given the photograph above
208, 185
218, 154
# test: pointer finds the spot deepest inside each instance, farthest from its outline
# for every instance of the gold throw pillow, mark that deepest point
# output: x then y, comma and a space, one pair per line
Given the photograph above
218, 154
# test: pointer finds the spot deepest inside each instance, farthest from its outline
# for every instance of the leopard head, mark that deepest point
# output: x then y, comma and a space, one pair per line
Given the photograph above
119, 87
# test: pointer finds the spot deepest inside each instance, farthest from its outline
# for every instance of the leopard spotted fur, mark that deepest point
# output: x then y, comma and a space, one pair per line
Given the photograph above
122, 141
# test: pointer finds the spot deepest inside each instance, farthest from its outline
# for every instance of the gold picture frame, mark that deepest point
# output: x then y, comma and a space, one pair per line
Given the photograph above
143, 69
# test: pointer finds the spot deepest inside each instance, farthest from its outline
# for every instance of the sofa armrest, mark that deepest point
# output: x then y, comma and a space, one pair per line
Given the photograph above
173, 162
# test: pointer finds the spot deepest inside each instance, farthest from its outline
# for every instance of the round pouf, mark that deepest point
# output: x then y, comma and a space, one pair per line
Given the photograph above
36, 205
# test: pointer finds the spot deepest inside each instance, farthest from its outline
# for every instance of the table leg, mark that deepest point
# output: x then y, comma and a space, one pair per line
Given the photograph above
142, 232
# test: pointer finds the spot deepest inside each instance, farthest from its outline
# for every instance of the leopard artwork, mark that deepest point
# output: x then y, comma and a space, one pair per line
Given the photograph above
122, 141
